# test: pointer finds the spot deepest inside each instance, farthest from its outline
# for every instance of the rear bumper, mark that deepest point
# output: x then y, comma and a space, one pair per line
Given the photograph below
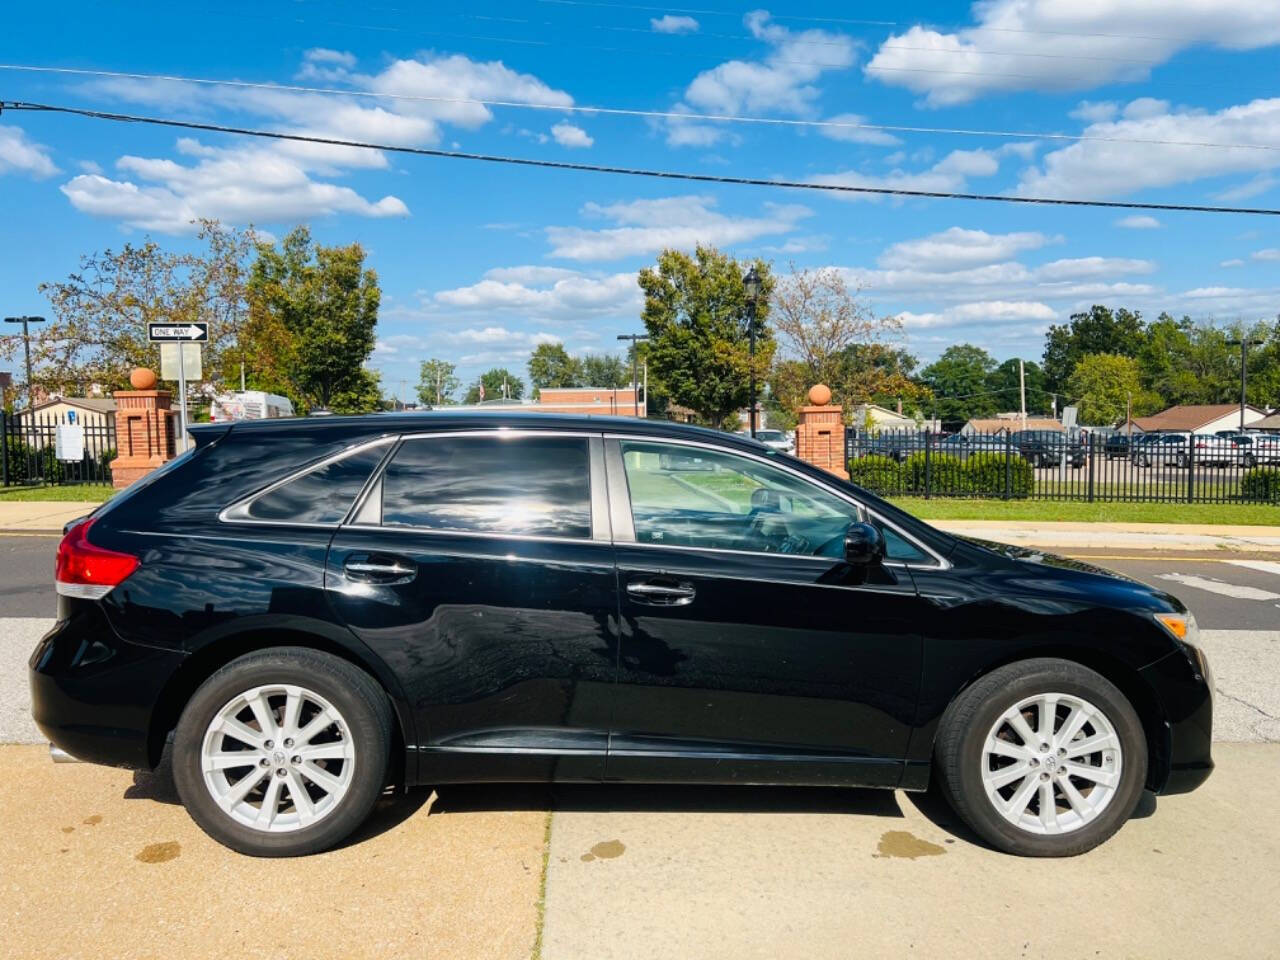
92, 694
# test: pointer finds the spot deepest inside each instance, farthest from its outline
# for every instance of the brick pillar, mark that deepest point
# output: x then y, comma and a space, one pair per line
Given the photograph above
145, 434
820, 433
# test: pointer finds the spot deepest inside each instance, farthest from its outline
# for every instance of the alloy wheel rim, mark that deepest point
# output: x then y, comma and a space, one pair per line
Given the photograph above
278, 758
1051, 763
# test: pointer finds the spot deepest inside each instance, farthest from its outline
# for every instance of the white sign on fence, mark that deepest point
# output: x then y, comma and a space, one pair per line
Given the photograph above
69, 442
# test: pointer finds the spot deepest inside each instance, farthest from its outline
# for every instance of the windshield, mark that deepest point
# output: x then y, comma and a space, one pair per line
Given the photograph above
770, 436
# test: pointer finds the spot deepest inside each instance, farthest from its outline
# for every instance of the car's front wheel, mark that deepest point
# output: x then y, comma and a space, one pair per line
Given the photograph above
1043, 758
283, 752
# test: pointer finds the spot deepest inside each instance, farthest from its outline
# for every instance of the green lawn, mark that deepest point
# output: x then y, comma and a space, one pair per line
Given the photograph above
80, 492
1049, 510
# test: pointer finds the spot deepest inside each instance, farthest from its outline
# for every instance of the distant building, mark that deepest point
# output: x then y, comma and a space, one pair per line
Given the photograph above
601, 401
1010, 422
89, 411
1270, 423
870, 417
1206, 418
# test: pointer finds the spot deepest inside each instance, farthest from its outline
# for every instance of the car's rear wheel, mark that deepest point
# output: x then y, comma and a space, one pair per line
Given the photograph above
283, 752
1042, 758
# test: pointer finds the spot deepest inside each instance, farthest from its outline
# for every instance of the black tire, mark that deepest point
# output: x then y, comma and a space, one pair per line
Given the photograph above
961, 737
1250, 461
352, 692
1182, 462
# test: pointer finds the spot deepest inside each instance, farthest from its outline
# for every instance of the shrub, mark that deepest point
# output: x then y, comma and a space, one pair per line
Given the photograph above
877, 473
28, 464
986, 474
946, 476
1261, 483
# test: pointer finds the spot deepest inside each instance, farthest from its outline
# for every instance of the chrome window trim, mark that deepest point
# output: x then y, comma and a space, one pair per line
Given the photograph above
474, 534
863, 512
501, 433
238, 512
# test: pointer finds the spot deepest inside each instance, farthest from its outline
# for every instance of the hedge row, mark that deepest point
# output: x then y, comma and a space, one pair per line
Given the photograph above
1261, 483
982, 475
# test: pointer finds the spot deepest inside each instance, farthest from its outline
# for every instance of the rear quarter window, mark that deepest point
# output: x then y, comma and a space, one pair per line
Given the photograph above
324, 495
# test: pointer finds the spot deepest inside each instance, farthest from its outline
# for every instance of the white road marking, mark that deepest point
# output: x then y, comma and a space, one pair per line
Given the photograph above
1266, 566
1237, 590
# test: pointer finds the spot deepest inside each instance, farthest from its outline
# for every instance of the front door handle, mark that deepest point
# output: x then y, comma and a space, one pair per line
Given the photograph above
663, 593
380, 568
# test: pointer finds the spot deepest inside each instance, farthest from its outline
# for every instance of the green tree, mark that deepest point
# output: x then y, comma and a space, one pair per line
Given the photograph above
1103, 385
499, 383
1100, 330
551, 366
697, 316
958, 380
1003, 383
605, 370
437, 382
312, 315
362, 394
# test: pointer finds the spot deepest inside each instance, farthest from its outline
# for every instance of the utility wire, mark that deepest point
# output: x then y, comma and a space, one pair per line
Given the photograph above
625, 171
625, 112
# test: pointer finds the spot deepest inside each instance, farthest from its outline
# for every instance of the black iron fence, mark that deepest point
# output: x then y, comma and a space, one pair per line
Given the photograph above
29, 453
1053, 465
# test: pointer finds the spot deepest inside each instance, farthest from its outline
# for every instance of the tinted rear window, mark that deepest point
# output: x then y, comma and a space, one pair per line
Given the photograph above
523, 486
322, 496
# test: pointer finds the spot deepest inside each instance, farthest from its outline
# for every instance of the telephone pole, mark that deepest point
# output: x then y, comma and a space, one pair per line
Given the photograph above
26, 349
1244, 343
635, 338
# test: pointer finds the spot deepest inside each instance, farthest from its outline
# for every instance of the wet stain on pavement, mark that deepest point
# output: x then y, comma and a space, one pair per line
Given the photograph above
93, 821
605, 850
68, 829
900, 844
159, 852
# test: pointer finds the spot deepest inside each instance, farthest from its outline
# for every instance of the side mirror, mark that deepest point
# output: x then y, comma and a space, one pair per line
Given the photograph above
863, 545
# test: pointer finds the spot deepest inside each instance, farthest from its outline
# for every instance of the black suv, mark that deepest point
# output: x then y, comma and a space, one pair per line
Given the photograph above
315, 608
1048, 448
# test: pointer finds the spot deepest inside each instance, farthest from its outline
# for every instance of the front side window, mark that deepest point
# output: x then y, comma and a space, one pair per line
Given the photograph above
322, 496
514, 486
694, 497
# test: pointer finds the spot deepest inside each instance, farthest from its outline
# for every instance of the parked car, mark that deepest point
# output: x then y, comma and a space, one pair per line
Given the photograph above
965, 445
1116, 447
1256, 448
1048, 448
900, 444
1178, 449
316, 608
782, 440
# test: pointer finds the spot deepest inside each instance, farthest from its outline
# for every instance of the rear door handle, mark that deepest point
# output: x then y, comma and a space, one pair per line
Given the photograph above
379, 568
663, 593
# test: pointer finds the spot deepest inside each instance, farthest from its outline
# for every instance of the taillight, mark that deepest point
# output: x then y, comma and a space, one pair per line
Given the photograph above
86, 571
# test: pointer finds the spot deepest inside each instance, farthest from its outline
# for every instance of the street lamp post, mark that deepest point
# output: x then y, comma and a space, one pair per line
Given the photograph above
635, 338
1244, 343
751, 286
26, 348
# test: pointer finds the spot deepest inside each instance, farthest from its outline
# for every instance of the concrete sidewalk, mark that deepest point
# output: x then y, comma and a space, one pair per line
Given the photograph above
50, 516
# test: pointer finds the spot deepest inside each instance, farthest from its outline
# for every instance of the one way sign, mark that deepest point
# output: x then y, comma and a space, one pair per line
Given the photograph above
173, 332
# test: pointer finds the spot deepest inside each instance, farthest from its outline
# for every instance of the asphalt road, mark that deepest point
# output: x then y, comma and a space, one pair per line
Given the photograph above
26, 576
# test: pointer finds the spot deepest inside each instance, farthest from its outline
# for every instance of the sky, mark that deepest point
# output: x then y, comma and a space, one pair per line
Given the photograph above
480, 262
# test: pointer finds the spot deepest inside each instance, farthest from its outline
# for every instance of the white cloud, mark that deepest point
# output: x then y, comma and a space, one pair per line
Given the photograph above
957, 248
950, 173
546, 293
981, 312
855, 134
1138, 222
646, 226
1253, 187
673, 24
1101, 169
281, 180
1270, 255
1236, 262
235, 185
1054, 46
783, 82
1095, 111
19, 154
568, 135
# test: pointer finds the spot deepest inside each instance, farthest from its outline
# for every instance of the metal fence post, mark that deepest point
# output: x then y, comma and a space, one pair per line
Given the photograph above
1191, 467
1091, 453
1008, 465
4, 447
928, 465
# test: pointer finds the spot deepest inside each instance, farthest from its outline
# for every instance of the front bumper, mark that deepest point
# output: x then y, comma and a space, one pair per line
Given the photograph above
1185, 756
93, 694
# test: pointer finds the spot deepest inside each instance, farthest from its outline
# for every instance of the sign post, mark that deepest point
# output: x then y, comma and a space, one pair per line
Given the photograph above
182, 334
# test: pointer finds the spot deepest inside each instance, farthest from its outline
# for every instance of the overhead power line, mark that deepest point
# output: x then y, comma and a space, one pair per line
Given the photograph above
837, 188
627, 112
